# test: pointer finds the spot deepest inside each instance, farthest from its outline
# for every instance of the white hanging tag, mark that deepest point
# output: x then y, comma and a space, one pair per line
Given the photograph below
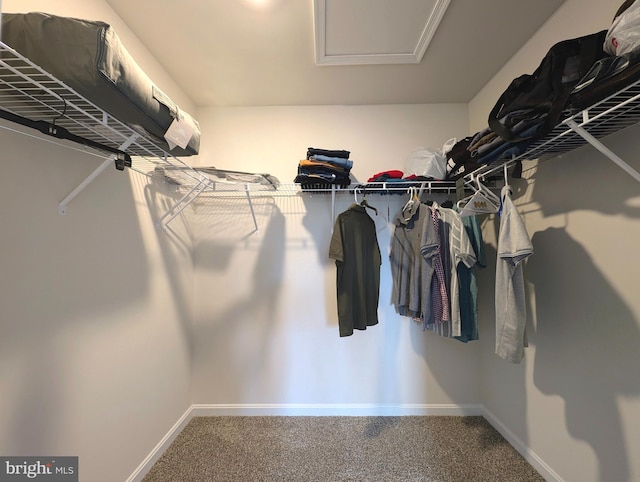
179, 133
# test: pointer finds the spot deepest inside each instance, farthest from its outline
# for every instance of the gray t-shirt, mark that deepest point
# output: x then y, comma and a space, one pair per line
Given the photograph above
514, 246
354, 247
409, 270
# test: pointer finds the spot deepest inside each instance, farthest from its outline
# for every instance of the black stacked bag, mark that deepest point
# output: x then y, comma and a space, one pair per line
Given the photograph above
574, 75
535, 103
530, 107
613, 72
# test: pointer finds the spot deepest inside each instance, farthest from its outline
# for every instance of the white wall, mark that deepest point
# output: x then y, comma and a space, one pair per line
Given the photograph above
94, 306
265, 328
94, 312
575, 399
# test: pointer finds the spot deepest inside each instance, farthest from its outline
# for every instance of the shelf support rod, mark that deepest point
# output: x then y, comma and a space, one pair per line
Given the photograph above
333, 206
62, 206
604, 149
253, 214
181, 204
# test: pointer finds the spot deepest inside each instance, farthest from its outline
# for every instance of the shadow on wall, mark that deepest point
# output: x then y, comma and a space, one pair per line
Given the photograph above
222, 226
240, 332
454, 363
587, 337
61, 275
176, 244
505, 387
586, 346
318, 223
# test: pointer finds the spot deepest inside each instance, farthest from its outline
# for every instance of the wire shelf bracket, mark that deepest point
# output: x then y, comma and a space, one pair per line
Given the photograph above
62, 206
181, 204
603, 149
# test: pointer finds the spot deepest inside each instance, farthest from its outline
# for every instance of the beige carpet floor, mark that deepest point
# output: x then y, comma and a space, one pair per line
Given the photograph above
318, 449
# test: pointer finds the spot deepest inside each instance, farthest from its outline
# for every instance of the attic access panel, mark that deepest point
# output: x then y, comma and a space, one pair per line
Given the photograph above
351, 32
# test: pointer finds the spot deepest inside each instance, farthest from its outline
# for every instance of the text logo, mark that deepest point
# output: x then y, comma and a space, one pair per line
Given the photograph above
46, 469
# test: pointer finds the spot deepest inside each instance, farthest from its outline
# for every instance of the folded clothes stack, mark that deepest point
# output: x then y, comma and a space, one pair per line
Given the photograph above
393, 175
374, 183
324, 168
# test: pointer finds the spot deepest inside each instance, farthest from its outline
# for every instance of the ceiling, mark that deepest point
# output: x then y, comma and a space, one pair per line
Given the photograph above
328, 52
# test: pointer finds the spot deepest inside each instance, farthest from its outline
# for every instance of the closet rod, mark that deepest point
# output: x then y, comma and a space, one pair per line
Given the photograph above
377, 187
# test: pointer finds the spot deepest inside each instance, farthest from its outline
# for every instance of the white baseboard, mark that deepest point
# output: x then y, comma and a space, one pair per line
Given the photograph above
338, 410
342, 410
530, 456
159, 449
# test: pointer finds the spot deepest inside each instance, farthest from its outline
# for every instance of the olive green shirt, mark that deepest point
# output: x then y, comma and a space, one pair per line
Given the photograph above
354, 247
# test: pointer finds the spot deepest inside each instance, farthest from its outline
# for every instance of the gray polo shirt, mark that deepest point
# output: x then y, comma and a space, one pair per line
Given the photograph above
514, 246
409, 270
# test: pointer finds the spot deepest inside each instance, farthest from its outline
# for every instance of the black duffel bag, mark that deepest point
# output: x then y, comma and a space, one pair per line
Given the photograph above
540, 98
606, 77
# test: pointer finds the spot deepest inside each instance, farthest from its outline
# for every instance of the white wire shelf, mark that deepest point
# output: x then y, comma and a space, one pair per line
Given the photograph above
30, 92
588, 126
237, 189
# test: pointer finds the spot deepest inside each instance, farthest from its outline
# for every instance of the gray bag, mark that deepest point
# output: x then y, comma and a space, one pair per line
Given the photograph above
89, 57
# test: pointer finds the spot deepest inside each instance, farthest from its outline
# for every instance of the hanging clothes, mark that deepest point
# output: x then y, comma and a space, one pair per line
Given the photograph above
354, 247
438, 290
409, 271
428, 244
455, 249
514, 246
469, 283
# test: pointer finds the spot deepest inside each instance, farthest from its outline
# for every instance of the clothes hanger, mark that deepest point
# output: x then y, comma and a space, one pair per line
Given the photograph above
413, 198
448, 203
482, 201
506, 189
487, 192
477, 203
364, 203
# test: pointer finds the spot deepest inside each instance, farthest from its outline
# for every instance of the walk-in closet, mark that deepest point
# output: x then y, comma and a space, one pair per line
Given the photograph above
159, 292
